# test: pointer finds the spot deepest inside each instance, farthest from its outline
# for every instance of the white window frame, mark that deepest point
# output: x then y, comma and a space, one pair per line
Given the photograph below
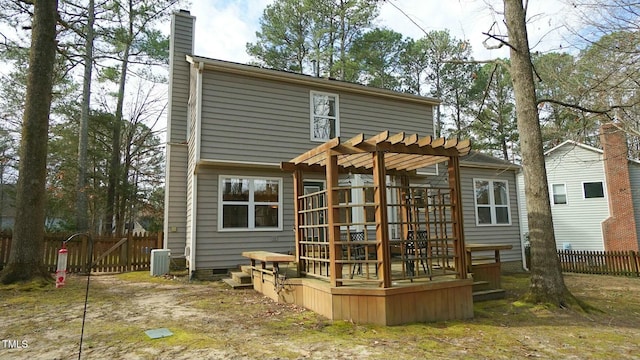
336, 118
251, 204
584, 192
492, 205
553, 195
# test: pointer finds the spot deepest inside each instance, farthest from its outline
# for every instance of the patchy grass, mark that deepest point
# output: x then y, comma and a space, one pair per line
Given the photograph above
209, 320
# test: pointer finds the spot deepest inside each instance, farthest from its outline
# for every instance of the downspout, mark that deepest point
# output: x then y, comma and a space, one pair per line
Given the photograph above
194, 177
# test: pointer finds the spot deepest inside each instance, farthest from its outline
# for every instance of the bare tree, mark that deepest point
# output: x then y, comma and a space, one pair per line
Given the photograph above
547, 283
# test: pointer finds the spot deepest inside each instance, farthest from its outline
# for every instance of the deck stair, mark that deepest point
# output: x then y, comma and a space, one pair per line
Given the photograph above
482, 291
240, 279
491, 294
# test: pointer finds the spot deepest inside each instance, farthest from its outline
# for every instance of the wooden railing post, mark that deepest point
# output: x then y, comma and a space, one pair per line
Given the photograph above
333, 216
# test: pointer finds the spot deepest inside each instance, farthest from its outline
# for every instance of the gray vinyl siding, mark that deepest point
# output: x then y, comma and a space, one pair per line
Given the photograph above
579, 222
251, 119
222, 250
175, 199
182, 30
634, 177
498, 234
176, 156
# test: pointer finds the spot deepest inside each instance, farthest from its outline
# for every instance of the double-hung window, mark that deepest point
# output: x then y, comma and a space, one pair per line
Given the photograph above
492, 202
559, 194
249, 203
325, 122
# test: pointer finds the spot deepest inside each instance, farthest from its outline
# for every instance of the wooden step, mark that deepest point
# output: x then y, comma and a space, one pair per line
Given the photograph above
241, 277
245, 268
493, 294
237, 285
481, 285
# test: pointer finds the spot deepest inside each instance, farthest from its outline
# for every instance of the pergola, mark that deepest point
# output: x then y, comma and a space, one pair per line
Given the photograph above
322, 225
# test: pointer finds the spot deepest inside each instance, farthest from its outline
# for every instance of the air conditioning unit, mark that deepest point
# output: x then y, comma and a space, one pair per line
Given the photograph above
160, 259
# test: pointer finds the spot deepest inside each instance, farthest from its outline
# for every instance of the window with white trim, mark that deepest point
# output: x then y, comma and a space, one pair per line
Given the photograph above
559, 194
492, 202
593, 189
325, 122
250, 203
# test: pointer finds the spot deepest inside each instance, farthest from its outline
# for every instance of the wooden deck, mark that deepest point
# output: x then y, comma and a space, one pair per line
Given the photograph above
406, 302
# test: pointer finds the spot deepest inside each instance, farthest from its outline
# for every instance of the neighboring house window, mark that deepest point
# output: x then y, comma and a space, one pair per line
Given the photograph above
250, 203
559, 194
492, 202
593, 190
325, 122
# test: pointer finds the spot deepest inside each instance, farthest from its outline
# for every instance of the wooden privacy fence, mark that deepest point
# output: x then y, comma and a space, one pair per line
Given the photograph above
626, 263
132, 252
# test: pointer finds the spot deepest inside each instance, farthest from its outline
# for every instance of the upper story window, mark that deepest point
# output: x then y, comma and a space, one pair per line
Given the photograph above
559, 194
250, 204
492, 202
593, 189
325, 121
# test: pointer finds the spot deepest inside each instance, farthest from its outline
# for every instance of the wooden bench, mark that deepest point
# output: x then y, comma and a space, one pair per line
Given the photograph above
486, 268
265, 257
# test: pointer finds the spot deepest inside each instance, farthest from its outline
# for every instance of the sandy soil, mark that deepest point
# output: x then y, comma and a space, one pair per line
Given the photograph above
211, 321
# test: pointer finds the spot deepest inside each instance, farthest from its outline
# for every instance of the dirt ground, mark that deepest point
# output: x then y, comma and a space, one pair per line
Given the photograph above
211, 321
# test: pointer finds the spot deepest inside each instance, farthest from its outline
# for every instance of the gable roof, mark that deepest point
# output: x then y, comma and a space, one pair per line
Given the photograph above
583, 146
302, 79
479, 160
574, 143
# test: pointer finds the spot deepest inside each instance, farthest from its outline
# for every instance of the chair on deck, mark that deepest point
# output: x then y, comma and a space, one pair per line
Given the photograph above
359, 252
417, 248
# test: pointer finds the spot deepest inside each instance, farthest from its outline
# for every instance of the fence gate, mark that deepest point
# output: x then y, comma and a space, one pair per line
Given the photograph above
108, 254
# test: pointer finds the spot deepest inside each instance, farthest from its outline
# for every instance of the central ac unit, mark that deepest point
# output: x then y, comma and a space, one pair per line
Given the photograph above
160, 259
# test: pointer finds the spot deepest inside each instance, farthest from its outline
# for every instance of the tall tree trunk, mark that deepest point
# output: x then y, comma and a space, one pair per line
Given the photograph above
547, 283
125, 191
82, 214
114, 166
26, 257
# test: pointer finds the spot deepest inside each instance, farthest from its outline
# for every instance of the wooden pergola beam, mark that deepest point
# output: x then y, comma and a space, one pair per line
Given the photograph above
319, 150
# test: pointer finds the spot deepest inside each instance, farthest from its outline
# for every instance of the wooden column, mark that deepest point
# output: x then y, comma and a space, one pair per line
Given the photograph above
382, 224
333, 216
456, 215
298, 189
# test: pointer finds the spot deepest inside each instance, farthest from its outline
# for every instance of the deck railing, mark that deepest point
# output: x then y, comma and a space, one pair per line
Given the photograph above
133, 254
625, 263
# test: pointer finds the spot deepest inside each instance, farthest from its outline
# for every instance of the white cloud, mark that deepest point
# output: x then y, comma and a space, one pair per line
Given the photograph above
223, 27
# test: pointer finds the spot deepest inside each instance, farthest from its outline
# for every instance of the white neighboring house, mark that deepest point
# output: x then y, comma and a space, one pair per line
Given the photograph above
594, 194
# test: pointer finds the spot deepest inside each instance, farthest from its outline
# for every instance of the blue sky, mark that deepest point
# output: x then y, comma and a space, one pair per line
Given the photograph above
223, 27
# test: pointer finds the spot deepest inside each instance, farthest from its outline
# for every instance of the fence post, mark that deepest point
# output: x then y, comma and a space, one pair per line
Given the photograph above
159, 240
633, 259
129, 250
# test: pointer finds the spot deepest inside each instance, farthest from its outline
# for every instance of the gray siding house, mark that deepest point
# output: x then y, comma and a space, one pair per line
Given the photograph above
493, 220
231, 125
589, 196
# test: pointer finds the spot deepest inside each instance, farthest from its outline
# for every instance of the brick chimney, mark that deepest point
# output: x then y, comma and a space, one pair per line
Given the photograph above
619, 230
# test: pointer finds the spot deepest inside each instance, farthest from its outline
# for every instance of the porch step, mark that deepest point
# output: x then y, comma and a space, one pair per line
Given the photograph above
236, 285
241, 277
481, 286
493, 294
